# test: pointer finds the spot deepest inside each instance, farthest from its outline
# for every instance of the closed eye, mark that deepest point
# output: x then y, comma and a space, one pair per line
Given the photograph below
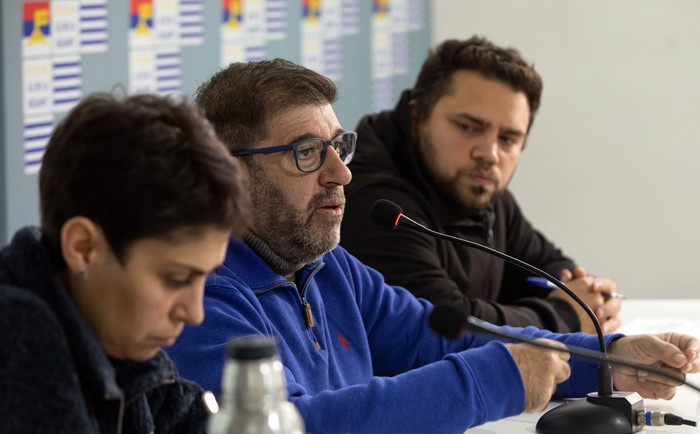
177, 283
469, 123
470, 128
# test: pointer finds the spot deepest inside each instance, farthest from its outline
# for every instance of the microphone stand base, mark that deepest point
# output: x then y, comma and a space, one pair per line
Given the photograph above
614, 414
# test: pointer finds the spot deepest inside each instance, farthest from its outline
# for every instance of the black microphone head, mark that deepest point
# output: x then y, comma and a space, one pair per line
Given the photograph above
448, 321
386, 213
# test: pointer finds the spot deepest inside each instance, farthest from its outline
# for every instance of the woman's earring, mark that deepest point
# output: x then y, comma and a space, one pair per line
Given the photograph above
81, 273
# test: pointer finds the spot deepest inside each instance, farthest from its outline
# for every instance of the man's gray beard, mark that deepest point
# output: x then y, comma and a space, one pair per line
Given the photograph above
289, 234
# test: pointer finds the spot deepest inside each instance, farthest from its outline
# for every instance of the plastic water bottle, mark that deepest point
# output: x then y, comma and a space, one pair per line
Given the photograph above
254, 391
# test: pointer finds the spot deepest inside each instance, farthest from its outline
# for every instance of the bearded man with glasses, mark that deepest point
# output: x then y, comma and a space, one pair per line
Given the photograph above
358, 355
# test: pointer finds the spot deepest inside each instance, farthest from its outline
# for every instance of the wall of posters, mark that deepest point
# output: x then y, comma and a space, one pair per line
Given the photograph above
54, 52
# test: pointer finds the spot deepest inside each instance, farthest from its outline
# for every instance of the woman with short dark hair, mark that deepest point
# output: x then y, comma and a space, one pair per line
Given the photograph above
138, 201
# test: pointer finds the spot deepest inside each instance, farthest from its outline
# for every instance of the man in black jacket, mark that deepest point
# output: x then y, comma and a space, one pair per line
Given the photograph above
445, 155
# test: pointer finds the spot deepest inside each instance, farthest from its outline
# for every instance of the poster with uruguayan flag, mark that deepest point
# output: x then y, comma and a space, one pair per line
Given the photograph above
332, 22
65, 54
67, 82
232, 32
155, 59
38, 105
381, 52
416, 15
392, 21
276, 19
312, 35
399, 13
51, 69
351, 16
141, 23
65, 27
243, 31
142, 71
323, 26
36, 132
37, 87
36, 29
93, 26
255, 30
191, 22
51, 84
166, 22
168, 70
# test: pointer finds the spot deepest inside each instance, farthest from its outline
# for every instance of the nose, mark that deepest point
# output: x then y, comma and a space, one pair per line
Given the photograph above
486, 151
334, 171
190, 309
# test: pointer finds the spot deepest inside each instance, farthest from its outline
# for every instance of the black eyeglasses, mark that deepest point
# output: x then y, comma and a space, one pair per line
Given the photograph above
310, 153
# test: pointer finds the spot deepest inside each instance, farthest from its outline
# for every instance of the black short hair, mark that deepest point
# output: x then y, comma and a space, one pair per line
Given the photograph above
144, 166
479, 55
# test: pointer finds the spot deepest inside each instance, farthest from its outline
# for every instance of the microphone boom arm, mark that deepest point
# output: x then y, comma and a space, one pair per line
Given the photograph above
605, 386
407, 221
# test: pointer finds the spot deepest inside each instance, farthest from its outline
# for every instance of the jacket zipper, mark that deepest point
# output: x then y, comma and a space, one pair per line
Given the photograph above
308, 313
306, 306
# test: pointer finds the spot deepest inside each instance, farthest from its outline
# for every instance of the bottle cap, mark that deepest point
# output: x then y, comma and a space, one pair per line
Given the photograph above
252, 347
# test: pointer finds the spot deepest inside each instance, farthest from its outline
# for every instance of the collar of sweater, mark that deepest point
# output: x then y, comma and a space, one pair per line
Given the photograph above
277, 263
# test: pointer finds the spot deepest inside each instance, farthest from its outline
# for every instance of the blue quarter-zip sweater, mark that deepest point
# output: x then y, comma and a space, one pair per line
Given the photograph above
359, 355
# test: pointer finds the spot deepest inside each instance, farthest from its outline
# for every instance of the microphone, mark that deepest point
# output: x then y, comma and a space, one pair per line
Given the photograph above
447, 320
387, 214
567, 419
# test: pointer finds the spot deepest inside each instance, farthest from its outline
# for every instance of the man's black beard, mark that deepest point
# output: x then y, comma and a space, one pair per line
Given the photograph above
449, 193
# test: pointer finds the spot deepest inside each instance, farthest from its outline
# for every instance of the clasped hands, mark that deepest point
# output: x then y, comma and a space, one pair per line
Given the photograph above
595, 292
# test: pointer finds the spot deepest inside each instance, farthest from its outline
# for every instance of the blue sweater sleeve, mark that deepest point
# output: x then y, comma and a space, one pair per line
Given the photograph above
584, 373
449, 396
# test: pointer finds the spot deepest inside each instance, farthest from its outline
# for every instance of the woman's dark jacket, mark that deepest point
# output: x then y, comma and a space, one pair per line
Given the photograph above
54, 374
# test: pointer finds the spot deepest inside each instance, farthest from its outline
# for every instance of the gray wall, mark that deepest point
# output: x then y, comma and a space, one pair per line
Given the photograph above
611, 168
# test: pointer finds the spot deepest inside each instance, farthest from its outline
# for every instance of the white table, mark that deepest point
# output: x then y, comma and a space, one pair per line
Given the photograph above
637, 316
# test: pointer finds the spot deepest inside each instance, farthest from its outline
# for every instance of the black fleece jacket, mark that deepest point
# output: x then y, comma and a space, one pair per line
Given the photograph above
385, 166
54, 374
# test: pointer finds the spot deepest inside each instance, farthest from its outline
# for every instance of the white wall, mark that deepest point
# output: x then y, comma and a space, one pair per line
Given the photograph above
612, 167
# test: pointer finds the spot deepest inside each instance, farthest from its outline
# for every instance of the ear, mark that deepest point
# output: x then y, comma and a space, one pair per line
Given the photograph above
80, 239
